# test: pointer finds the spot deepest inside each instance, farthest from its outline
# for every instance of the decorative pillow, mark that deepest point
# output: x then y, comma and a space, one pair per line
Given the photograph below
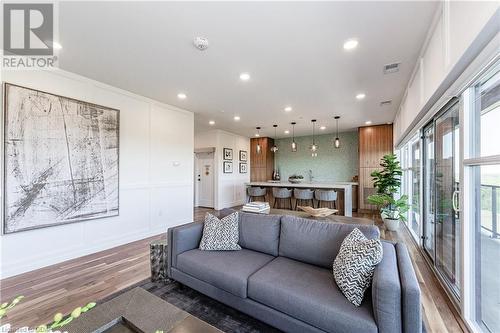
355, 263
220, 234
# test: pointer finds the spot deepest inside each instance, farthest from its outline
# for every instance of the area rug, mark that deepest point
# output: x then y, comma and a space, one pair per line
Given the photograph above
203, 307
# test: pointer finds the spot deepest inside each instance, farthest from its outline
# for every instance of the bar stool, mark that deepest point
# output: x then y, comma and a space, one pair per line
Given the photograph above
282, 194
326, 196
303, 195
256, 192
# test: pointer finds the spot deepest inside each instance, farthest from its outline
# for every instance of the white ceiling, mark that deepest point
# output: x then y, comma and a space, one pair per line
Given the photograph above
292, 50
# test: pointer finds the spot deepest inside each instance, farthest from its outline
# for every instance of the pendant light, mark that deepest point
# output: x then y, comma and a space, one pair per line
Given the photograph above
258, 149
337, 140
274, 148
294, 144
314, 146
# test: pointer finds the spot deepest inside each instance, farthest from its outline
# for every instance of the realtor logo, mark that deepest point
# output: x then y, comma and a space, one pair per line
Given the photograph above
28, 29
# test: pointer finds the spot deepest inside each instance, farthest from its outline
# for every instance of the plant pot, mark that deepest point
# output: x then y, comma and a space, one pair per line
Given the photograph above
391, 224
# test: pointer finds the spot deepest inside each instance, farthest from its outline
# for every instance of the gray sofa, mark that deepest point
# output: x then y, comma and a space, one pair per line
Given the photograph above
283, 276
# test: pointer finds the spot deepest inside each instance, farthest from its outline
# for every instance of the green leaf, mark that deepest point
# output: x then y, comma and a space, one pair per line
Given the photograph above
76, 312
41, 329
58, 317
65, 322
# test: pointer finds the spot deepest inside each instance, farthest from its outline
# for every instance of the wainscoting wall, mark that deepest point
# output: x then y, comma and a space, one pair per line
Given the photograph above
156, 176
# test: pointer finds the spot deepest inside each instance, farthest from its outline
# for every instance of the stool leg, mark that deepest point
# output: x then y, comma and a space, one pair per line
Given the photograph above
290, 199
296, 201
274, 205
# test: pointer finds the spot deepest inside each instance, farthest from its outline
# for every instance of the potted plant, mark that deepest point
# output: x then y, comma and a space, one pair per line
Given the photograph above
387, 182
392, 210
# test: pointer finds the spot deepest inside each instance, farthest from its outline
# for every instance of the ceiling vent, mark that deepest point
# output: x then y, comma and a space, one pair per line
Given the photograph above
391, 68
386, 103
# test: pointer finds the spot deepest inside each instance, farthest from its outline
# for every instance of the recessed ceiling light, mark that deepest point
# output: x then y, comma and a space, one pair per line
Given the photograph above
287, 132
244, 76
322, 128
257, 135
236, 118
288, 109
211, 122
368, 122
56, 45
360, 96
181, 96
350, 44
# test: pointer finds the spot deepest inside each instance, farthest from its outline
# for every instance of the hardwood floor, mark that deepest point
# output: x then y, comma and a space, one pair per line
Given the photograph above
62, 287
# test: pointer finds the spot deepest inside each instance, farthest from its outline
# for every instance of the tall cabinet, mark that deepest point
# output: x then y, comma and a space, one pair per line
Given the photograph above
374, 143
261, 165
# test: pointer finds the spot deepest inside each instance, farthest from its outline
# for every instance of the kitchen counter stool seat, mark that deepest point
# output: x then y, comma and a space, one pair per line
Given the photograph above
303, 196
281, 197
255, 192
326, 198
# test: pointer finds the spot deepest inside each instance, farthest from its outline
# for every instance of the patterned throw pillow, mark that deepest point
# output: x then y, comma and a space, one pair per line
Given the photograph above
220, 234
355, 263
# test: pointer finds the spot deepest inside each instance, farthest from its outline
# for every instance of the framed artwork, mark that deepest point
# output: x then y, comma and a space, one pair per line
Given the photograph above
228, 167
243, 168
60, 160
243, 155
228, 154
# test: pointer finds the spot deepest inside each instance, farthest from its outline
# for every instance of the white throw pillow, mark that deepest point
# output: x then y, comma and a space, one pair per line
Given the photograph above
355, 263
220, 234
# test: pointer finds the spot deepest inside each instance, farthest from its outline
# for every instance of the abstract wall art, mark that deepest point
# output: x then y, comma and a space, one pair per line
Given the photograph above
61, 160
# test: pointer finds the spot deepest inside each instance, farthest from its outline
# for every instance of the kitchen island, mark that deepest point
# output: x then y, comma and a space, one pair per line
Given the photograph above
346, 187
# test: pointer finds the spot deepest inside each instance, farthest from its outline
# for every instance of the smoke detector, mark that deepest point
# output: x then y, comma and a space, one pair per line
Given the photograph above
201, 43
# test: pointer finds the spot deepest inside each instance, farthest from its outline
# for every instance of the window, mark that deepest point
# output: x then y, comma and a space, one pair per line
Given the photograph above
482, 201
410, 183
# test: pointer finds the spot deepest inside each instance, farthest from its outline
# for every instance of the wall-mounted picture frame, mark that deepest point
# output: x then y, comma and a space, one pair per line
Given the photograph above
40, 165
228, 167
243, 156
228, 154
243, 168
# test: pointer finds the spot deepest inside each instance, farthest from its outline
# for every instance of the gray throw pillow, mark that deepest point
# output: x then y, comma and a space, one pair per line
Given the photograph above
355, 263
220, 234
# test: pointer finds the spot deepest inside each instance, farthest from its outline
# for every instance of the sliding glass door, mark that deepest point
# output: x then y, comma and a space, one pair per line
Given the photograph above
447, 226
441, 192
429, 191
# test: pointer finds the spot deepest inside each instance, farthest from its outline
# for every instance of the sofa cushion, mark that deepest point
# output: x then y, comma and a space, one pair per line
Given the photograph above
220, 234
316, 242
260, 232
354, 266
227, 270
309, 293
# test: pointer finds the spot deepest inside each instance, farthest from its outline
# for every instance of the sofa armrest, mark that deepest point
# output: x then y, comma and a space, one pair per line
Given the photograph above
386, 292
181, 239
410, 292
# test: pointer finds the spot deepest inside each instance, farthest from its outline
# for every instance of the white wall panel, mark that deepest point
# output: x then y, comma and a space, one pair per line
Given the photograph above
154, 193
456, 26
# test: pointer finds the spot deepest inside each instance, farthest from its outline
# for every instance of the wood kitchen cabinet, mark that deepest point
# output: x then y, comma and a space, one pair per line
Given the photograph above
374, 143
261, 165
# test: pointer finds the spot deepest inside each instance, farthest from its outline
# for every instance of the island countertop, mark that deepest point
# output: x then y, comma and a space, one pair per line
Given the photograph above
327, 185
344, 186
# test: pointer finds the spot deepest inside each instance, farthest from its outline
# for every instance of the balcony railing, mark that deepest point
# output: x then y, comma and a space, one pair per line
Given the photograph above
493, 190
